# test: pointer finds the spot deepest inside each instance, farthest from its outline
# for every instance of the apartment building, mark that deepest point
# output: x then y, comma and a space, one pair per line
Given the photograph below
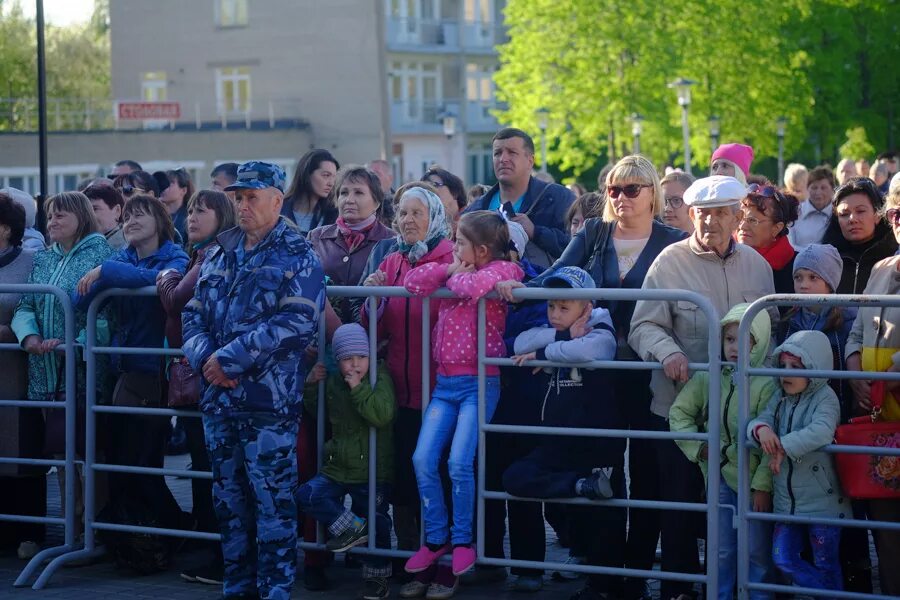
408, 80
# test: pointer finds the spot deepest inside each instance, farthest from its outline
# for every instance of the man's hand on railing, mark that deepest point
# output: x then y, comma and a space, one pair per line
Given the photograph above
505, 289
675, 366
214, 374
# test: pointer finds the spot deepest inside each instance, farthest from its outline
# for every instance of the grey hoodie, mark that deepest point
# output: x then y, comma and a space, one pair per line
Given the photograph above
597, 344
808, 483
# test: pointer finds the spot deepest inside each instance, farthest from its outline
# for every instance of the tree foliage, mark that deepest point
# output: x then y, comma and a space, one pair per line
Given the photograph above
77, 62
857, 145
593, 63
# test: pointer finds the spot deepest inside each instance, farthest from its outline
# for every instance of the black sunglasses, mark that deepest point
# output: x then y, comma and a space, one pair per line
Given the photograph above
766, 191
631, 190
127, 190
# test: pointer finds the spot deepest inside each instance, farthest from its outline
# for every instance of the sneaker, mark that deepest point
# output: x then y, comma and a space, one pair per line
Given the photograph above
597, 486
350, 538
529, 583
463, 559
424, 558
27, 550
569, 575
443, 586
375, 588
418, 585
212, 574
314, 579
483, 575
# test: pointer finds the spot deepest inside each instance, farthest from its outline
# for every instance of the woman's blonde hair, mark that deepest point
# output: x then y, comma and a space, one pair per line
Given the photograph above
793, 174
635, 169
79, 205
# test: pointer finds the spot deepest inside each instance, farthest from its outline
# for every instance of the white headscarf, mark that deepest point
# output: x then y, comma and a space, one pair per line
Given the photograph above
438, 229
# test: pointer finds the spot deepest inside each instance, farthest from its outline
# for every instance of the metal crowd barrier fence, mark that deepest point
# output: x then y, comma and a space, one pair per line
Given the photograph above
68, 462
742, 375
68, 553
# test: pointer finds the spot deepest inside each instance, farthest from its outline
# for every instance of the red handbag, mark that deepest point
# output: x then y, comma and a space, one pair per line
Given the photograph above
868, 476
184, 384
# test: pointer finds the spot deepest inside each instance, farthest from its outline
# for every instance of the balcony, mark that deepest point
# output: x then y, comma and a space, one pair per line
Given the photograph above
20, 115
424, 117
442, 35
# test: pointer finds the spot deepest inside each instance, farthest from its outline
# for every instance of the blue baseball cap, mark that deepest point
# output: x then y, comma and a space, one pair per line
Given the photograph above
569, 277
258, 175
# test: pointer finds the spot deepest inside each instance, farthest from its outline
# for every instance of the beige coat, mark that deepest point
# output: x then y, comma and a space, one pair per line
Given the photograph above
659, 329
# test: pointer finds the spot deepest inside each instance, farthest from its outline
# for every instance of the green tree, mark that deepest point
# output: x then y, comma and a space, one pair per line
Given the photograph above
857, 145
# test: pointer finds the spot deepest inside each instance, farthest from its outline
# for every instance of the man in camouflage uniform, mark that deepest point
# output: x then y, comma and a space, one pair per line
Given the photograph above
255, 311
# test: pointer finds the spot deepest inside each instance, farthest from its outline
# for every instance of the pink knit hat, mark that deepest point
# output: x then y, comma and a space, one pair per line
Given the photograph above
741, 155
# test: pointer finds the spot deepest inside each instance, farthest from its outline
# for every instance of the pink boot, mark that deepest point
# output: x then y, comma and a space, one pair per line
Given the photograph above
463, 559
424, 558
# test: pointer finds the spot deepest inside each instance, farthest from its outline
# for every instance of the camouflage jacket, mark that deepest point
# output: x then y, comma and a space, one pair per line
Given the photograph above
258, 317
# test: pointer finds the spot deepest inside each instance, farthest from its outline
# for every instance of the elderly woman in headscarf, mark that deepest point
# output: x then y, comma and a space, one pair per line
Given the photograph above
424, 237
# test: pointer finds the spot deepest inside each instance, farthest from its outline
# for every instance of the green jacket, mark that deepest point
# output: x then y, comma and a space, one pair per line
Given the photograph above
351, 413
41, 314
690, 412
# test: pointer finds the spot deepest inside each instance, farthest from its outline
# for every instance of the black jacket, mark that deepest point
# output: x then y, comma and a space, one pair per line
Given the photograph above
860, 258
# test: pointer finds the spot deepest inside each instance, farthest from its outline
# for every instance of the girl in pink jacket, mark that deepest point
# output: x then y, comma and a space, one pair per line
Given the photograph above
481, 259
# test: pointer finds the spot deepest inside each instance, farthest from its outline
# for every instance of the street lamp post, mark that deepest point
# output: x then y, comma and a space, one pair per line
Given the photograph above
683, 87
543, 115
637, 128
448, 124
714, 124
780, 125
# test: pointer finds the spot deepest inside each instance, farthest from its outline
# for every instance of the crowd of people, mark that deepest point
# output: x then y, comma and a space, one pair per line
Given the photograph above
242, 268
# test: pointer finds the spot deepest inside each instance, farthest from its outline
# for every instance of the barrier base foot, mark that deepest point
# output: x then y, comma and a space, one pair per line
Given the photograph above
36, 561
59, 561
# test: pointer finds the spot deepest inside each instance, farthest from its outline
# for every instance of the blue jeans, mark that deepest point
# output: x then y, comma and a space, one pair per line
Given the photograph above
761, 567
322, 498
452, 415
825, 572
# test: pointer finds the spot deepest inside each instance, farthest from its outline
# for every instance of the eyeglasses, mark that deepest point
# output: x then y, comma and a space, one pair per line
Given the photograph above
753, 221
675, 202
893, 216
631, 190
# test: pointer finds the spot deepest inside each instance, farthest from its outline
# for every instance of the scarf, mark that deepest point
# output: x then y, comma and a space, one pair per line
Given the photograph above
438, 229
354, 235
778, 254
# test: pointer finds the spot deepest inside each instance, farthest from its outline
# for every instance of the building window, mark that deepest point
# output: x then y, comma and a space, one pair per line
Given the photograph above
416, 91
231, 13
481, 164
479, 11
233, 90
479, 83
153, 86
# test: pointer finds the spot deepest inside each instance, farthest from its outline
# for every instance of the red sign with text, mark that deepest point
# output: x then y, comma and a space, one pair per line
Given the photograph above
169, 111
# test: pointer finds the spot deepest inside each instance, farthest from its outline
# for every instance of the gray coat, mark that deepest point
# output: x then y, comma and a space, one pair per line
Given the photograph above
808, 484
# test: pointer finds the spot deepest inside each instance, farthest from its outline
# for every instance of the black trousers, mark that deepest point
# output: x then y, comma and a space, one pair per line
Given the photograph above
680, 480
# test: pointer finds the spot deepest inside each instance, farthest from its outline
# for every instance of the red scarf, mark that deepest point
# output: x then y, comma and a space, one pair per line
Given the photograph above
778, 254
354, 235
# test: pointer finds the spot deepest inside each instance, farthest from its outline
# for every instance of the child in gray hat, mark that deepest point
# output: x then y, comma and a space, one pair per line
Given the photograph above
817, 270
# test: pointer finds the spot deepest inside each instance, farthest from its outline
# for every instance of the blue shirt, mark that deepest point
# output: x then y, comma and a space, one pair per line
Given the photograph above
495, 202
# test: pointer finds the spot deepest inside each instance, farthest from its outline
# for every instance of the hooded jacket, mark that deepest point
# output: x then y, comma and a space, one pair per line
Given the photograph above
455, 336
140, 321
400, 322
258, 317
808, 483
41, 314
690, 412
576, 397
662, 328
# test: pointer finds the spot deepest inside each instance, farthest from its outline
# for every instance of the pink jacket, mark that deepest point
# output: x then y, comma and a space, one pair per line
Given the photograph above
455, 337
400, 322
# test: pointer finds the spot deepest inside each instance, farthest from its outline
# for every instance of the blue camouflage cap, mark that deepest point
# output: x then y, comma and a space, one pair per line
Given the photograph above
258, 175
569, 277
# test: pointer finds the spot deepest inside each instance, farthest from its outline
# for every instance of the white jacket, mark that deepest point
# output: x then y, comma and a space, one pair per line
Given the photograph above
662, 328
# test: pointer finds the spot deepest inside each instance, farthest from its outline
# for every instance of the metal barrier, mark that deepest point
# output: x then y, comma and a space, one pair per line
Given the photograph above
743, 374
68, 405
92, 350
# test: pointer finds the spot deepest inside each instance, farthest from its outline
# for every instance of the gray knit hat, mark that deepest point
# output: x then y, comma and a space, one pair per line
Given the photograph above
824, 260
350, 340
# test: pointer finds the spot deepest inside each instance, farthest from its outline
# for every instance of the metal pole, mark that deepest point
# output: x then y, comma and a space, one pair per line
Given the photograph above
636, 145
780, 159
426, 378
42, 110
686, 135
714, 474
482, 414
543, 149
373, 379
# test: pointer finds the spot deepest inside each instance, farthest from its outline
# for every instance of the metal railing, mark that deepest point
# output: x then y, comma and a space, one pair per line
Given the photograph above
67, 552
742, 376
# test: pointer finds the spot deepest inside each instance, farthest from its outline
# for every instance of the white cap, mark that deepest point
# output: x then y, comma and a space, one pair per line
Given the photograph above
518, 236
715, 191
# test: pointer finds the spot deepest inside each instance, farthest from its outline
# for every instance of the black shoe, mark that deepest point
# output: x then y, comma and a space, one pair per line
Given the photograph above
375, 588
597, 486
350, 538
314, 579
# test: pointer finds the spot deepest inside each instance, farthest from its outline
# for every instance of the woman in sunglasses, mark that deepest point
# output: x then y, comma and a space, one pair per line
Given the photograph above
135, 184
859, 232
617, 249
766, 215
